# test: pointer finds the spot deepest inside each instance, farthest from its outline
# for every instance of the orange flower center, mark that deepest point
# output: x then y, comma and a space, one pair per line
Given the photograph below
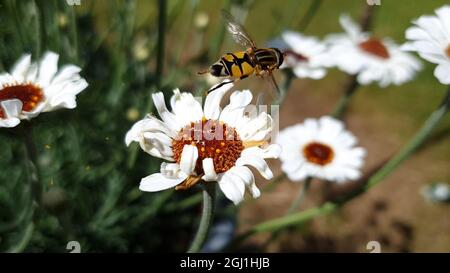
318, 153
448, 51
213, 139
375, 47
30, 95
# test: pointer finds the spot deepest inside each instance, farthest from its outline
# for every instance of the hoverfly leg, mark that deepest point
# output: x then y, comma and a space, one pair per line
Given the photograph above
220, 85
274, 83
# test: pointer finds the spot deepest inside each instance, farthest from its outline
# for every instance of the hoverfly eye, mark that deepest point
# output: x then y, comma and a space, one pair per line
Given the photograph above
216, 70
280, 57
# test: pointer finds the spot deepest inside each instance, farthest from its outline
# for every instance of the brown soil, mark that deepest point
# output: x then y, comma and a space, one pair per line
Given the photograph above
393, 213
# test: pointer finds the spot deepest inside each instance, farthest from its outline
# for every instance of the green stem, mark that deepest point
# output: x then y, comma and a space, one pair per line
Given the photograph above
304, 216
74, 34
312, 10
350, 90
209, 196
161, 41
38, 29
32, 164
300, 197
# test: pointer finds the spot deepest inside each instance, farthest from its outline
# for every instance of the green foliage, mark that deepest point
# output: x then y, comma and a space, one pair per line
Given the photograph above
89, 177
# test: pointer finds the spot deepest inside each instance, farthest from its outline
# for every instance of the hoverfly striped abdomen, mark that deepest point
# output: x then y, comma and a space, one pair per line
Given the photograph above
238, 64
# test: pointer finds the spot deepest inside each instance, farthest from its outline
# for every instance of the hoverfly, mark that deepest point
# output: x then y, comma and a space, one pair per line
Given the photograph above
242, 64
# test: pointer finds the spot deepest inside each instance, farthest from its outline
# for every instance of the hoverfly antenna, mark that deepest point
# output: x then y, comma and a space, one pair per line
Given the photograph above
202, 72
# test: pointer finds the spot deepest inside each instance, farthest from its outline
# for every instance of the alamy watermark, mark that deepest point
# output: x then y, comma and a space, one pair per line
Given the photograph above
373, 2
73, 2
374, 246
74, 247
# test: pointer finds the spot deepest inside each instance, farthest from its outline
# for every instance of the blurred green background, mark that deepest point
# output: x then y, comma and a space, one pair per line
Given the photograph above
90, 179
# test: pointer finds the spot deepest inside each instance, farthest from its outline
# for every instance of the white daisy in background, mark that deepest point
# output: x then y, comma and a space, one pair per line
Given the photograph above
307, 56
32, 88
207, 143
430, 37
320, 148
371, 59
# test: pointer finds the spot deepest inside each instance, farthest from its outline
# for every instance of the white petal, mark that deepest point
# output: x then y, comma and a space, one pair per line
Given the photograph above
188, 159
208, 168
212, 102
66, 97
232, 187
168, 117
157, 144
148, 124
12, 109
352, 29
330, 127
303, 71
9, 122
47, 68
185, 107
171, 170
257, 128
295, 170
258, 163
442, 73
32, 72
158, 182
67, 73
271, 151
20, 69
248, 178
233, 112
6, 79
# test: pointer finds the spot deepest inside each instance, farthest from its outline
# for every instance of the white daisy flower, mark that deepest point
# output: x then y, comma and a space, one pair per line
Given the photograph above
372, 59
430, 37
322, 149
307, 56
32, 88
209, 143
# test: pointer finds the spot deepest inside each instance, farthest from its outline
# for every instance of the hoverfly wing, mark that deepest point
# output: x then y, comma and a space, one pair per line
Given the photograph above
240, 35
273, 91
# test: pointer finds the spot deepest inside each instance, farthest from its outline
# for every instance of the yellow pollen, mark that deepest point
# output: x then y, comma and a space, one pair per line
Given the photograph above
217, 151
249, 144
189, 182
